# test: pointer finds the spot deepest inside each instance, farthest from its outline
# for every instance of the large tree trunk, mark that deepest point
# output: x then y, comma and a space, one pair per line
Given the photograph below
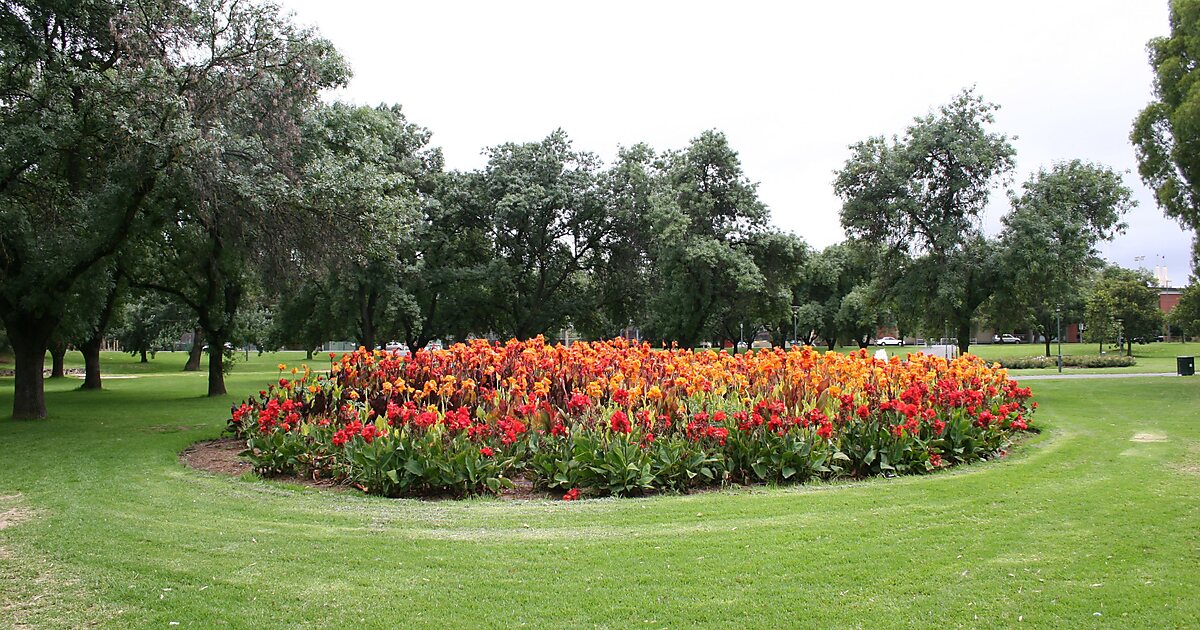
91, 363
366, 337
216, 373
30, 337
91, 347
58, 355
144, 358
964, 337
193, 362
308, 354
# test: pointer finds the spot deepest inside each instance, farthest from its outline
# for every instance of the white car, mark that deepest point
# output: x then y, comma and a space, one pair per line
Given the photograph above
1006, 338
396, 346
889, 341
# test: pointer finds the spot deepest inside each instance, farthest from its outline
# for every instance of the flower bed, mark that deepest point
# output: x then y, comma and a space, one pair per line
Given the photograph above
610, 418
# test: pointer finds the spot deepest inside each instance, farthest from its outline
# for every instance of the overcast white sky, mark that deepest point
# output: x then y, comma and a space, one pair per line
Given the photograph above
791, 84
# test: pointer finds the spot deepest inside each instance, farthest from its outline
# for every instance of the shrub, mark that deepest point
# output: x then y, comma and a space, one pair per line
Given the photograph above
1077, 361
617, 419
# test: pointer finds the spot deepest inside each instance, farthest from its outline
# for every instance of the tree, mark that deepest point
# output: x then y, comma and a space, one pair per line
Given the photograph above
704, 218
376, 164
1166, 134
304, 317
447, 278
1186, 314
838, 295
1123, 302
150, 323
621, 269
106, 108
104, 305
922, 195
1048, 246
780, 258
93, 110
546, 220
234, 213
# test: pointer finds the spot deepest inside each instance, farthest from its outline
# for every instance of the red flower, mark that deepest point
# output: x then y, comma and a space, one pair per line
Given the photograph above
825, 430
935, 459
579, 402
571, 495
863, 411
619, 422
425, 419
487, 451
718, 433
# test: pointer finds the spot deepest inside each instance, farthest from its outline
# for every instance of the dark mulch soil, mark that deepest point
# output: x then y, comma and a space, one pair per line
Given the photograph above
221, 456
217, 456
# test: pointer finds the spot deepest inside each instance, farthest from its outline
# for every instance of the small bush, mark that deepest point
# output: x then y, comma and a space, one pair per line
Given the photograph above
1082, 361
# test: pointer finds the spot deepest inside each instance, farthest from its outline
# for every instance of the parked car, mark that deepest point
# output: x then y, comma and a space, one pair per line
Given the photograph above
1006, 338
396, 346
889, 341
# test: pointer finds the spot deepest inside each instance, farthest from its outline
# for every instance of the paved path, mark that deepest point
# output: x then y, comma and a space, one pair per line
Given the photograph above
1046, 377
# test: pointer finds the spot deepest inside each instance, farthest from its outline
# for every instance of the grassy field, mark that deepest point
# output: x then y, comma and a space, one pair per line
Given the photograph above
1083, 526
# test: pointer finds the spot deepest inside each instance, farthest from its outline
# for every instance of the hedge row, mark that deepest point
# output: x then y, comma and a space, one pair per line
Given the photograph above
1081, 361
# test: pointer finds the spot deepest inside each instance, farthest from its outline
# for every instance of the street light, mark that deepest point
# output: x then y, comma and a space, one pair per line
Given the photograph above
1058, 315
1121, 333
795, 323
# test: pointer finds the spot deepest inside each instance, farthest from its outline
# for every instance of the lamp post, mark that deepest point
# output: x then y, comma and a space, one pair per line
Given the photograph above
795, 323
741, 337
1058, 332
1121, 333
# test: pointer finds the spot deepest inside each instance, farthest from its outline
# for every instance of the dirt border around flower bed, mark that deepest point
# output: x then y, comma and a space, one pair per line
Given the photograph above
220, 456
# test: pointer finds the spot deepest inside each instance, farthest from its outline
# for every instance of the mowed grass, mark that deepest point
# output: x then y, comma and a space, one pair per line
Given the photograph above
106, 527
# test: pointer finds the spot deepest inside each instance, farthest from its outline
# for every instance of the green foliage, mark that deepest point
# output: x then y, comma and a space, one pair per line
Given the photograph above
922, 195
545, 220
1165, 133
1186, 314
1048, 246
372, 169
710, 238
149, 323
1123, 302
233, 220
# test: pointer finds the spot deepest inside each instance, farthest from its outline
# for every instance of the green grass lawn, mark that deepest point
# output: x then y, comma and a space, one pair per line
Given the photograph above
1078, 521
